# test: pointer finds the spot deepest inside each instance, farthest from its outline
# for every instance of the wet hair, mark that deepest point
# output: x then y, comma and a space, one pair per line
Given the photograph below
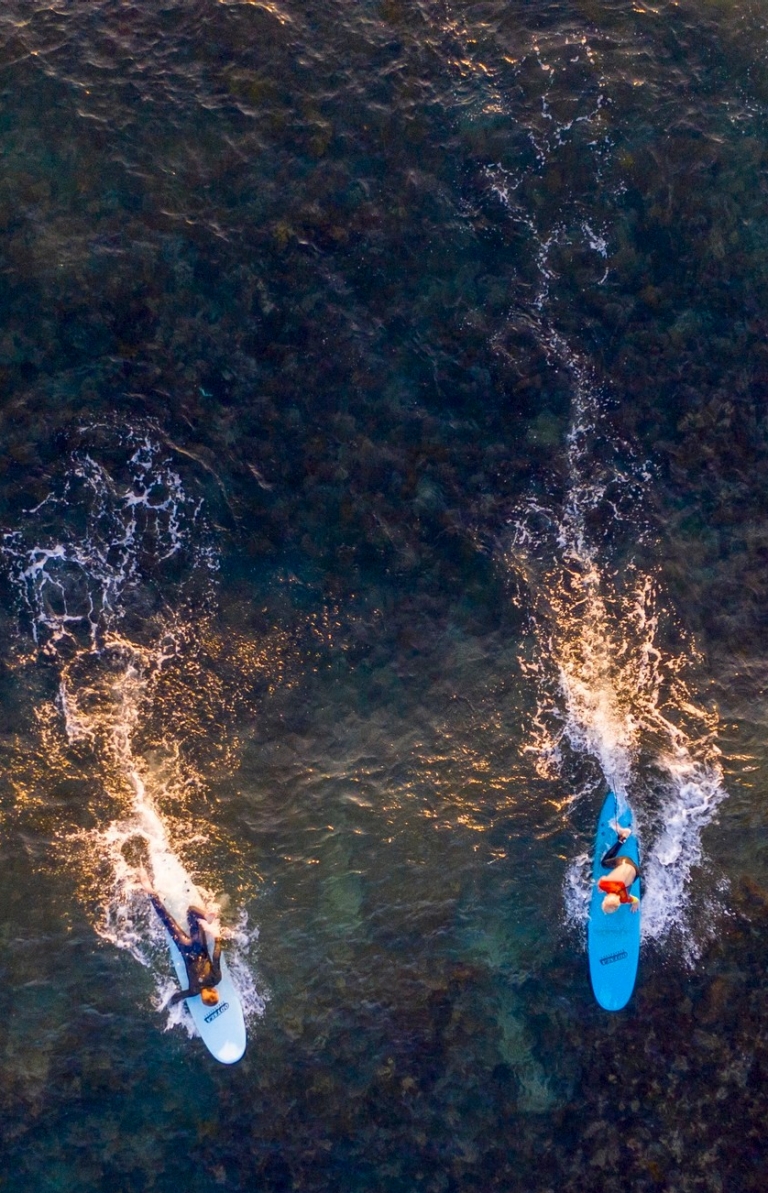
610, 904
209, 996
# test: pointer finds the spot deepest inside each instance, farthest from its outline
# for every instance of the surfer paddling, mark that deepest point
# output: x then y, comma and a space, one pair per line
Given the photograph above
203, 968
623, 872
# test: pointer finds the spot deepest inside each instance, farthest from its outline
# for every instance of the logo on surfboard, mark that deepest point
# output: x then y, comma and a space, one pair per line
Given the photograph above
218, 1011
613, 957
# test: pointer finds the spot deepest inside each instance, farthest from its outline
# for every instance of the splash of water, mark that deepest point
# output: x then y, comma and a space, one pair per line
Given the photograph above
89, 602
79, 587
609, 690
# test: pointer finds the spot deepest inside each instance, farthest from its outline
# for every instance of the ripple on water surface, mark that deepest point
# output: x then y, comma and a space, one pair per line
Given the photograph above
372, 283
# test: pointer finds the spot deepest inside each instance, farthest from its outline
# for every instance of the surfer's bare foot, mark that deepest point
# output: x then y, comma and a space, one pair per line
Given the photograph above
208, 917
144, 880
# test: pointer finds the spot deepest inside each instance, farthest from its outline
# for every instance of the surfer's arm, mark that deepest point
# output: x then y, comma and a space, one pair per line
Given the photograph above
178, 936
216, 959
180, 995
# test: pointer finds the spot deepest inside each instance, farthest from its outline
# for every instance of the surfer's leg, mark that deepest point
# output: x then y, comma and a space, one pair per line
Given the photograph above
178, 936
608, 857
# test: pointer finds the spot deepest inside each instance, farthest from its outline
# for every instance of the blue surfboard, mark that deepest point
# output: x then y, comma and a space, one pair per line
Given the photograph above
613, 941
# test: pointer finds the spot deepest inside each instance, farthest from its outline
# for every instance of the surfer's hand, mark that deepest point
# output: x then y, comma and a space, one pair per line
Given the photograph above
623, 833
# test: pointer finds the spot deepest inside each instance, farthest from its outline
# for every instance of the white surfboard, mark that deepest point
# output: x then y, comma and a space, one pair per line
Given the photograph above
222, 1027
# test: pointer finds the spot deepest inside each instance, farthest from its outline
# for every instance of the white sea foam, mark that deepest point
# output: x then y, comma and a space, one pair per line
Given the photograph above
77, 585
577, 889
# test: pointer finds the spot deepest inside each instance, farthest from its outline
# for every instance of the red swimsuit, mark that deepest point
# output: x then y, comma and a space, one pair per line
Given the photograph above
612, 887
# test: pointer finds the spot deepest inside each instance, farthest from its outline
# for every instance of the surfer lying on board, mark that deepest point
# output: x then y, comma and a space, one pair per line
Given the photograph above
623, 873
203, 970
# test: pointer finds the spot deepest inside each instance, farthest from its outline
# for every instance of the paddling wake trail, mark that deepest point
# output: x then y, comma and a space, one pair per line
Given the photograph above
91, 600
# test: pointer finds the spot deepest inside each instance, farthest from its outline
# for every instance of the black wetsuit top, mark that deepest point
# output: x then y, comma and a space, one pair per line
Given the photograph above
203, 971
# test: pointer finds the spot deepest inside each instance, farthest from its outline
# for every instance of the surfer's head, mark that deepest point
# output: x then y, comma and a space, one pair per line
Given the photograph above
610, 904
209, 996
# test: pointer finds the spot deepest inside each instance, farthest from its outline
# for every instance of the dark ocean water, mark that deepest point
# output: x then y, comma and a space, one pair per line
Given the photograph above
385, 468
